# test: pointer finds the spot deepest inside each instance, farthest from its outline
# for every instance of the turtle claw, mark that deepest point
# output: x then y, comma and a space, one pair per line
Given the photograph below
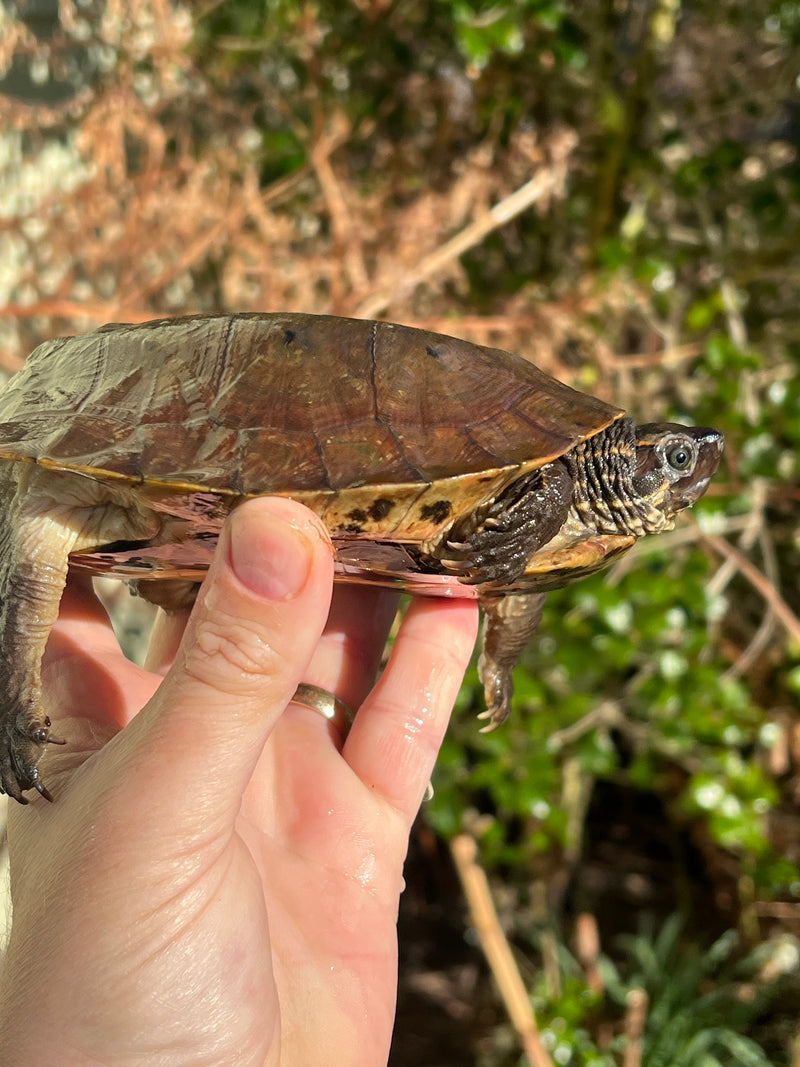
40, 734
21, 750
455, 566
42, 789
462, 569
458, 546
496, 717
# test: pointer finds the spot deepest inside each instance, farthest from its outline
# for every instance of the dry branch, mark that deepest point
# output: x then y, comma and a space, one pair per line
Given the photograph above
783, 613
497, 949
549, 180
636, 1005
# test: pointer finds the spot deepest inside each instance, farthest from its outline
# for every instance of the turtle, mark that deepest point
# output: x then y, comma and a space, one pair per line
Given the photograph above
440, 467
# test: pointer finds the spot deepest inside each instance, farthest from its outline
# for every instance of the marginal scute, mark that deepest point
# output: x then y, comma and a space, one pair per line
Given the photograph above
437, 511
380, 508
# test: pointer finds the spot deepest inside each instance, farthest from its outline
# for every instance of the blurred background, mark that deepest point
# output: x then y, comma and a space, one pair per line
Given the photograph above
612, 190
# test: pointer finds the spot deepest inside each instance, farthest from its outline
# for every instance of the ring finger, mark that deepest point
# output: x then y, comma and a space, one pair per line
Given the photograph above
348, 656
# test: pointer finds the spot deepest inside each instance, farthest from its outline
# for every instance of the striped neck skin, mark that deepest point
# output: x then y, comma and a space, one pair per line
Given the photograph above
604, 498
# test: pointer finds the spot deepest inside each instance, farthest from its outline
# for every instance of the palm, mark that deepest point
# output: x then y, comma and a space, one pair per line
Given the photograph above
332, 907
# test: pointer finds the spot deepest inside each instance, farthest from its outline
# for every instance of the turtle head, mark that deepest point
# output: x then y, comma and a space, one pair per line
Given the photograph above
674, 464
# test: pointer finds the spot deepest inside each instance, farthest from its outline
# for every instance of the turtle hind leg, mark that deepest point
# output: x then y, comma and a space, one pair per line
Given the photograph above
33, 571
44, 515
523, 518
509, 623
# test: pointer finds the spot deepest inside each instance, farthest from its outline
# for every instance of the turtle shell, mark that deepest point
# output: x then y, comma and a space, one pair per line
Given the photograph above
384, 430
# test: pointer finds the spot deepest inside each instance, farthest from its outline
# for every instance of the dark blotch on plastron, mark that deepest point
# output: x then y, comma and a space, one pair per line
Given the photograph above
432, 351
288, 336
438, 511
357, 516
380, 508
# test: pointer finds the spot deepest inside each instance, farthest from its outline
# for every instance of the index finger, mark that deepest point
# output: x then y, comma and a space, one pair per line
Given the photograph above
398, 731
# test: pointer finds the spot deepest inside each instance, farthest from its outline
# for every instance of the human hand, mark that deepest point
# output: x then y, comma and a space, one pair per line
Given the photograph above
218, 882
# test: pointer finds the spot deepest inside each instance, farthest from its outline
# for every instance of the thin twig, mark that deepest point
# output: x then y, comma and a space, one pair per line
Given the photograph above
497, 949
546, 181
642, 736
751, 532
669, 356
689, 533
469, 237
587, 949
763, 636
345, 235
636, 1005
762, 585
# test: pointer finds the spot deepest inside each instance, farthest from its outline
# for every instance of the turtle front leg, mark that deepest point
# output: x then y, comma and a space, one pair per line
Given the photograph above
509, 623
496, 546
494, 549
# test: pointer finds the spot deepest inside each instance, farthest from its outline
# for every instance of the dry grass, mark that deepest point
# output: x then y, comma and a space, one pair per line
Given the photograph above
142, 196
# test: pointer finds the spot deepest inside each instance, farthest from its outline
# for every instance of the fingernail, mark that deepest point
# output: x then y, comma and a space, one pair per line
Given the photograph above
269, 555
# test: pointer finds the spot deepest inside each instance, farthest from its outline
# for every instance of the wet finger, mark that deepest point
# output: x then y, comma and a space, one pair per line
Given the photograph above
399, 729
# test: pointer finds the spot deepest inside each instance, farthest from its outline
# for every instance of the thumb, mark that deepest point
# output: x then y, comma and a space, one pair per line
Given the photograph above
251, 634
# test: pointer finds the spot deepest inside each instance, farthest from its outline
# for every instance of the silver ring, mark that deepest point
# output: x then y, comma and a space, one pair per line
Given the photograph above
328, 705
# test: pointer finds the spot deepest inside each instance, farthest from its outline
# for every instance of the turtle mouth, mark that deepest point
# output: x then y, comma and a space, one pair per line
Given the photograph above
713, 440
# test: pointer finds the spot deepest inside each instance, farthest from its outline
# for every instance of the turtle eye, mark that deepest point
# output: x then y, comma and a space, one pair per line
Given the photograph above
680, 457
